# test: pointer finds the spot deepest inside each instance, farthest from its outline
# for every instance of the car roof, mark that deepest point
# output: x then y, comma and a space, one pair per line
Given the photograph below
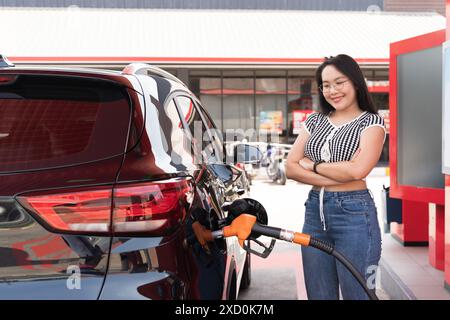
119, 76
62, 70
111, 75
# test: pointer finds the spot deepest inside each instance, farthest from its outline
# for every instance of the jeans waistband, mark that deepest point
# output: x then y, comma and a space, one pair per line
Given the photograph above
340, 194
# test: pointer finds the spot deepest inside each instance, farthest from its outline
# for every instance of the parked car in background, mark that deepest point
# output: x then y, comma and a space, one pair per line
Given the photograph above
100, 186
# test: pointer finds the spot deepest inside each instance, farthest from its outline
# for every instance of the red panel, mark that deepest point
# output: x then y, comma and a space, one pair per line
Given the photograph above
447, 230
447, 188
414, 227
436, 242
415, 221
414, 193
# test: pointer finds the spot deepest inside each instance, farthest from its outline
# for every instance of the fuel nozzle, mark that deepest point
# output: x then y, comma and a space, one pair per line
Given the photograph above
248, 206
244, 220
243, 216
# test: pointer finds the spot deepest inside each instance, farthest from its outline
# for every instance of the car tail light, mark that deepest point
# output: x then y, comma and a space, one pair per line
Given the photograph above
154, 208
82, 211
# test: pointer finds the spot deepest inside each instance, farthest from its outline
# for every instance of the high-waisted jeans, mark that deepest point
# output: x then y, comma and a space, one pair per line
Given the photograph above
351, 225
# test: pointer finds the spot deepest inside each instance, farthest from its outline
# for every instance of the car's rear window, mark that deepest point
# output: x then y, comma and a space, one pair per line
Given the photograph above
52, 121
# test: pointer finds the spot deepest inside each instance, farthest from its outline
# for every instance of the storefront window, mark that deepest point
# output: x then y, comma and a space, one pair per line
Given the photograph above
206, 85
248, 101
271, 106
238, 104
210, 96
381, 101
303, 99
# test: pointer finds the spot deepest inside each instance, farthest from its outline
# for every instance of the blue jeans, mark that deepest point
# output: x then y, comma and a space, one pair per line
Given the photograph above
352, 227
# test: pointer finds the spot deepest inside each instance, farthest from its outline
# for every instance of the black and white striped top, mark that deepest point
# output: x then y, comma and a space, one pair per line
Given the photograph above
333, 143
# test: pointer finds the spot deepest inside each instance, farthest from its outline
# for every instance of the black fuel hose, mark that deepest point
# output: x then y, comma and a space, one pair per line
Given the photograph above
324, 246
350, 267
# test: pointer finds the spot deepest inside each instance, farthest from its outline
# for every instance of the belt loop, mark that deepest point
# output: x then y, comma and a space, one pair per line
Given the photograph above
371, 194
322, 216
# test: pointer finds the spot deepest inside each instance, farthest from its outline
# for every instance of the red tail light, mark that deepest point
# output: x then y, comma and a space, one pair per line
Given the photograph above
154, 208
83, 211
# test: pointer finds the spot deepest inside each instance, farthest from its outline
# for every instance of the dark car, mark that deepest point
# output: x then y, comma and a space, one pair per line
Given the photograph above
101, 178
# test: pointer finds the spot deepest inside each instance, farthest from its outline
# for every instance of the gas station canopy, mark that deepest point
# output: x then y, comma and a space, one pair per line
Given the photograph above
208, 37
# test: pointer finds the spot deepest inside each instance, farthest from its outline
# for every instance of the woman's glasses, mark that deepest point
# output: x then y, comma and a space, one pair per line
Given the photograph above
326, 88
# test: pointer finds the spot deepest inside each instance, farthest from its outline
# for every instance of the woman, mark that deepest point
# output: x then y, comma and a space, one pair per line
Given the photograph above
334, 152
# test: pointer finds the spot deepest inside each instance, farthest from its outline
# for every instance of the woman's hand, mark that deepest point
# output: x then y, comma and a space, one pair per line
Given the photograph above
307, 164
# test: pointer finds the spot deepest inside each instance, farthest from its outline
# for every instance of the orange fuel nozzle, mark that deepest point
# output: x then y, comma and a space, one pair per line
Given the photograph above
241, 227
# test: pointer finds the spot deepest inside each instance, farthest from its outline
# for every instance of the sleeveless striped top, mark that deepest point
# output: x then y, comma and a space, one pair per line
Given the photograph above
332, 143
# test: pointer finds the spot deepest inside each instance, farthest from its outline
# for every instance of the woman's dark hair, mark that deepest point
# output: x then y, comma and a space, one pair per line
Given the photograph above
348, 66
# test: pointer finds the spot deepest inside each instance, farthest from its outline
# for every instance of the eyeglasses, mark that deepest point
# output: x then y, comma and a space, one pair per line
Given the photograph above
326, 88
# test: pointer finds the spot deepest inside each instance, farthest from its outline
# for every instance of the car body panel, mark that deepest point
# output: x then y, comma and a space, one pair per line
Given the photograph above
175, 266
38, 264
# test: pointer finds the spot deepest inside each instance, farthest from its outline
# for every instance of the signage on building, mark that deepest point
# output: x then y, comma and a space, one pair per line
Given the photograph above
271, 121
298, 116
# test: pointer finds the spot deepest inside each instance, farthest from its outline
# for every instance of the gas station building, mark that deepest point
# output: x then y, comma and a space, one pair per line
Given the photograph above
250, 68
